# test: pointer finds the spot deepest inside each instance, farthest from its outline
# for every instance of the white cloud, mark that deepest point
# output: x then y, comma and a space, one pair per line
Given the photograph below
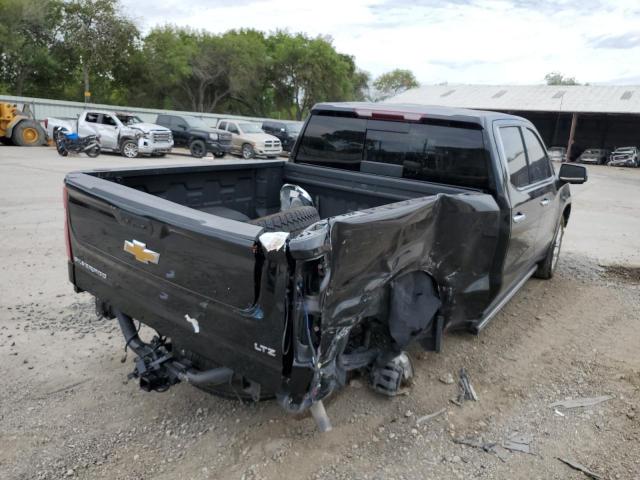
459, 41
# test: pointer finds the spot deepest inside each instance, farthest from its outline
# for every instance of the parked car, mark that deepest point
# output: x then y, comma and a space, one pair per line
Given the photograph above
286, 132
390, 225
624, 157
597, 156
194, 133
124, 133
249, 141
558, 154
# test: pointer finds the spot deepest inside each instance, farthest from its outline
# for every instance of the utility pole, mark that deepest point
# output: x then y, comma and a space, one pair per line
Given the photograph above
572, 133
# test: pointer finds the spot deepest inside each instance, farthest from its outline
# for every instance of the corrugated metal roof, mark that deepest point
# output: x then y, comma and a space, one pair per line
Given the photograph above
546, 98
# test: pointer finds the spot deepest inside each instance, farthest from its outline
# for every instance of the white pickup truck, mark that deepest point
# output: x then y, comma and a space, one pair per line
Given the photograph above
120, 132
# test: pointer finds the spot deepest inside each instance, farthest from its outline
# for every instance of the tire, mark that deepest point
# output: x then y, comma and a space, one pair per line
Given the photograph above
231, 390
547, 267
293, 221
198, 149
218, 154
27, 134
129, 149
93, 152
247, 151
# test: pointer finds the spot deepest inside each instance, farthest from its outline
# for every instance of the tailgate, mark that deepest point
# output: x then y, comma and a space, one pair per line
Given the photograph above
192, 276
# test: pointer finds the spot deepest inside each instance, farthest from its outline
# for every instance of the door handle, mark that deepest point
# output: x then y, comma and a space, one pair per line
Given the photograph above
544, 202
518, 217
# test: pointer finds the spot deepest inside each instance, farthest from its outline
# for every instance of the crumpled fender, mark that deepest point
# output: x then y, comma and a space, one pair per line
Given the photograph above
451, 238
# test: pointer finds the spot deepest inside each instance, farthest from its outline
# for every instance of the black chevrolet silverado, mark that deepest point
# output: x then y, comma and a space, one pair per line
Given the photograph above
194, 134
391, 224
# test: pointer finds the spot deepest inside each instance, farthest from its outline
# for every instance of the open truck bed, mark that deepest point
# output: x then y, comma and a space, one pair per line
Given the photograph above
247, 301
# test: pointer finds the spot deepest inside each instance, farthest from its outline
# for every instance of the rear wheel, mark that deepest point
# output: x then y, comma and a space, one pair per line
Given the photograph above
198, 148
129, 149
218, 154
547, 267
27, 134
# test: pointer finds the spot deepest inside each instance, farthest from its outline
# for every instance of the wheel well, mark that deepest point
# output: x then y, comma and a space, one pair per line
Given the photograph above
124, 139
566, 213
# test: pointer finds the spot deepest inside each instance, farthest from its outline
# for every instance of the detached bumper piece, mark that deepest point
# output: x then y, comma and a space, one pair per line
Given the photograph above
156, 367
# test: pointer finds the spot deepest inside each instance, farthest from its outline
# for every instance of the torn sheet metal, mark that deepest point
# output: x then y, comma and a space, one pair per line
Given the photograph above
451, 238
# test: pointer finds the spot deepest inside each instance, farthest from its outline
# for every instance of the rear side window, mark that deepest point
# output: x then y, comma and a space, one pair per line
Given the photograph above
514, 153
451, 153
232, 128
222, 126
91, 118
539, 168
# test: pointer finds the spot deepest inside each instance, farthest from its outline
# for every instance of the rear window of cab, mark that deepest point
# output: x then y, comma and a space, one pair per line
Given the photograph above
440, 151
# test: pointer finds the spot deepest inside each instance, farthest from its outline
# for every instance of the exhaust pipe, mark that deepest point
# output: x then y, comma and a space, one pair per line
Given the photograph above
215, 376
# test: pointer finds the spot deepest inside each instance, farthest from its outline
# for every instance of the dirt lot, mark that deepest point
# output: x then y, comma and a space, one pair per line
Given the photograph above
66, 410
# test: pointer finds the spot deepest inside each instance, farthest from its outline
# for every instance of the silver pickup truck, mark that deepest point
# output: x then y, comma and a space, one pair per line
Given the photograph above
119, 132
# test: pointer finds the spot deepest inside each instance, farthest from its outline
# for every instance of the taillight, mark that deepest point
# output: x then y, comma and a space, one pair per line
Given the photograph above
67, 233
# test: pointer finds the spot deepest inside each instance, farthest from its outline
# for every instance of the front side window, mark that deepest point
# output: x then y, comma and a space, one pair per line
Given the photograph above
514, 152
539, 168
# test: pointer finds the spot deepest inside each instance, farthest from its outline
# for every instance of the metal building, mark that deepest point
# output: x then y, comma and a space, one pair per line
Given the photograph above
576, 117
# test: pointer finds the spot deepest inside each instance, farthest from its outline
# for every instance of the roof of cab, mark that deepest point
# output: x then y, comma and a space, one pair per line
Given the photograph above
481, 117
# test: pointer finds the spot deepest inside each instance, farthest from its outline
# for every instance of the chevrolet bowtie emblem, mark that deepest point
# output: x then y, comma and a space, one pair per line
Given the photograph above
140, 251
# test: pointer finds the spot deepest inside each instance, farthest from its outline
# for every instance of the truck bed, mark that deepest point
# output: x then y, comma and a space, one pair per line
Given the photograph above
212, 271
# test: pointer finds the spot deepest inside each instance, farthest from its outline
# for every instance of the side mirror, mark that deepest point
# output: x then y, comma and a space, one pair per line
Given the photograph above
576, 174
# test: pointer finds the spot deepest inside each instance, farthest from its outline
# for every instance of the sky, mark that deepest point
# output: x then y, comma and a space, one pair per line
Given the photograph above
455, 41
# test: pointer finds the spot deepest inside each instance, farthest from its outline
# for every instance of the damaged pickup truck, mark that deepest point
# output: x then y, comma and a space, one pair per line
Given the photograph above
390, 225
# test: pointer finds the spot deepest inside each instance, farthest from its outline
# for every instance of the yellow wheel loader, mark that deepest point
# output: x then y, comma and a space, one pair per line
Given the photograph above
19, 128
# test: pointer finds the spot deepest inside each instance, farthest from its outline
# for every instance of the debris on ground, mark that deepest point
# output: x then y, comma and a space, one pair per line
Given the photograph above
447, 379
426, 418
580, 467
489, 447
518, 443
466, 389
581, 402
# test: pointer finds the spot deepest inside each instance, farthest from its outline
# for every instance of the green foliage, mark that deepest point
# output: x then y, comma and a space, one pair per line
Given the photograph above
555, 78
57, 48
394, 82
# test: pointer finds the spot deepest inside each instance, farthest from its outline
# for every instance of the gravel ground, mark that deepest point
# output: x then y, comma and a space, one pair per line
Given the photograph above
67, 410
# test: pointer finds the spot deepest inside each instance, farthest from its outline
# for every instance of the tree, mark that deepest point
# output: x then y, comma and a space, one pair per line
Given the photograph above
309, 70
394, 82
555, 78
99, 35
27, 43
